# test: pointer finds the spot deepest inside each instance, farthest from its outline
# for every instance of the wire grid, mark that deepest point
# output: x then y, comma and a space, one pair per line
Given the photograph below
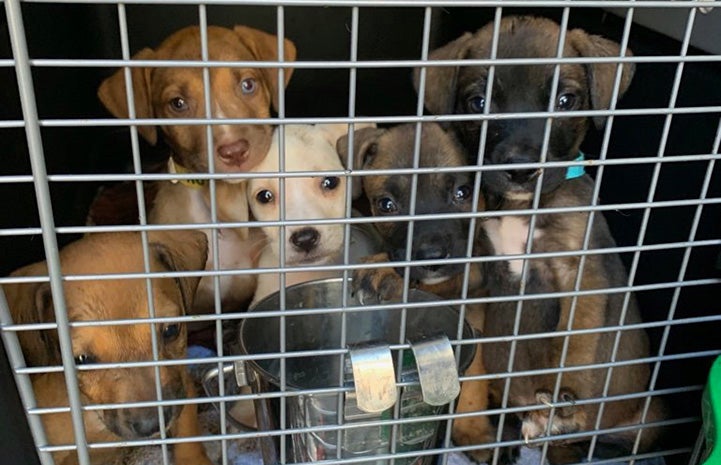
41, 180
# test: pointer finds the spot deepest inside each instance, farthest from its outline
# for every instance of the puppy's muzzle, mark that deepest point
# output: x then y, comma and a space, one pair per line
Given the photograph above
146, 422
521, 175
234, 154
306, 239
433, 252
134, 423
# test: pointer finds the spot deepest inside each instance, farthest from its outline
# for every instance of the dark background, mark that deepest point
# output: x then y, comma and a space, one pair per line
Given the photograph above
91, 31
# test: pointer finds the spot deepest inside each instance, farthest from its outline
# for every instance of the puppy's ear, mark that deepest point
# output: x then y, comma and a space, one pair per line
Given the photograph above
112, 94
264, 47
601, 75
441, 82
364, 148
181, 251
33, 303
45, 313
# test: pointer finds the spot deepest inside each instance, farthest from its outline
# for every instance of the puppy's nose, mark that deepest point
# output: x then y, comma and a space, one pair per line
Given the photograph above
306, 239
147, 423
522, 175
234, 153
432, 253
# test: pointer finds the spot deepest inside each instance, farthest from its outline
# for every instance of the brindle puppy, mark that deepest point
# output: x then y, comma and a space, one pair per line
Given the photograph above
388, 195
527, 88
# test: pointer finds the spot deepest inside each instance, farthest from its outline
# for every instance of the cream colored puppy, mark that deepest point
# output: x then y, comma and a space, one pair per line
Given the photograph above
307, 148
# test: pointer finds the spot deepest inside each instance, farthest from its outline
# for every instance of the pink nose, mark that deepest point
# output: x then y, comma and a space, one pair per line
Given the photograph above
235, 153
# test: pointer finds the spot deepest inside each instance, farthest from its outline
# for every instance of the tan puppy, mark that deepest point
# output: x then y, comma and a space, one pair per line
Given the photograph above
91, 300
307, 148
235, 93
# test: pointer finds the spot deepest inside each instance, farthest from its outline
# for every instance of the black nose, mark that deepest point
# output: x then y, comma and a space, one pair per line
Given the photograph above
522, 175
147, 423
432, 252
306, 239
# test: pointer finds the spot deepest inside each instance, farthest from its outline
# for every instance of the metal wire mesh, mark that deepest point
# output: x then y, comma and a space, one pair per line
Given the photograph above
686, 240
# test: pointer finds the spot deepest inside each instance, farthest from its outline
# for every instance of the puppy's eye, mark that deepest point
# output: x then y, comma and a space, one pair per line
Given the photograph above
476, 104
462, 193
171, 332
179, 105
566, 102
84, 359
247, 86
387, 205
264, 196
329, 183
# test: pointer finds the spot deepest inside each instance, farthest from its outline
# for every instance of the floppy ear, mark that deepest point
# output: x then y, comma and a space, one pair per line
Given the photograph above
264, 47
33, 303
45, 313
364, 147
601, 75
181, 251
112, 94
441, 81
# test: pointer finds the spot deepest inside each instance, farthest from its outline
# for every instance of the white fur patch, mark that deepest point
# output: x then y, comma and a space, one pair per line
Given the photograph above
222, 129
509, 235
433, 281
518, 195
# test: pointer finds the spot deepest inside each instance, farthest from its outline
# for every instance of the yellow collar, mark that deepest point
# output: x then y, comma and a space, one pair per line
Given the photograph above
176, 168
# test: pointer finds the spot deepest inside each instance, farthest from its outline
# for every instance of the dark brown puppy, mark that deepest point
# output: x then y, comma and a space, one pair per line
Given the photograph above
389, 195
527, 89
93, 300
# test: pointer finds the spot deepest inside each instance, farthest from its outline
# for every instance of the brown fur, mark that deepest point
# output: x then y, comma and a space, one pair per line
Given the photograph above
236, 148
388, 149
154, 88
91, 300
522, 89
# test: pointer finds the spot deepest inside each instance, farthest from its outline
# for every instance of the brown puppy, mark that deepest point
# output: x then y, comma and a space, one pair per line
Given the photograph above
235, 93
389, 195
92, 300
527, 89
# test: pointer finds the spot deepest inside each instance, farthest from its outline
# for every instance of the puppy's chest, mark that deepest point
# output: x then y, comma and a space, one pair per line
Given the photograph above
236, 246
508, 235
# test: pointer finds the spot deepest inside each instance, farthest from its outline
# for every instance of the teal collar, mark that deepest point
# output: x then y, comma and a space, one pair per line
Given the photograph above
576, 171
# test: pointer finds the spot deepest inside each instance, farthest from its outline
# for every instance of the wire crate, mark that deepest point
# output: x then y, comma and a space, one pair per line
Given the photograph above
653, 162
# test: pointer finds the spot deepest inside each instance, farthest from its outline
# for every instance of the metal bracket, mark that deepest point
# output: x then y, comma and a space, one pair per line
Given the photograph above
374, 378
437, 371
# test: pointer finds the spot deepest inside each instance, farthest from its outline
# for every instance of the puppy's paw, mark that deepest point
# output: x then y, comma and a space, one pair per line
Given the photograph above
567, 419
474, 431
190, 453
377, 285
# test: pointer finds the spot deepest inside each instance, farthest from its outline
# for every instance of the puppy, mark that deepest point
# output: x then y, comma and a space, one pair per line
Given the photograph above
527, 89
307, 148
389, 195
93, 300
235, 93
